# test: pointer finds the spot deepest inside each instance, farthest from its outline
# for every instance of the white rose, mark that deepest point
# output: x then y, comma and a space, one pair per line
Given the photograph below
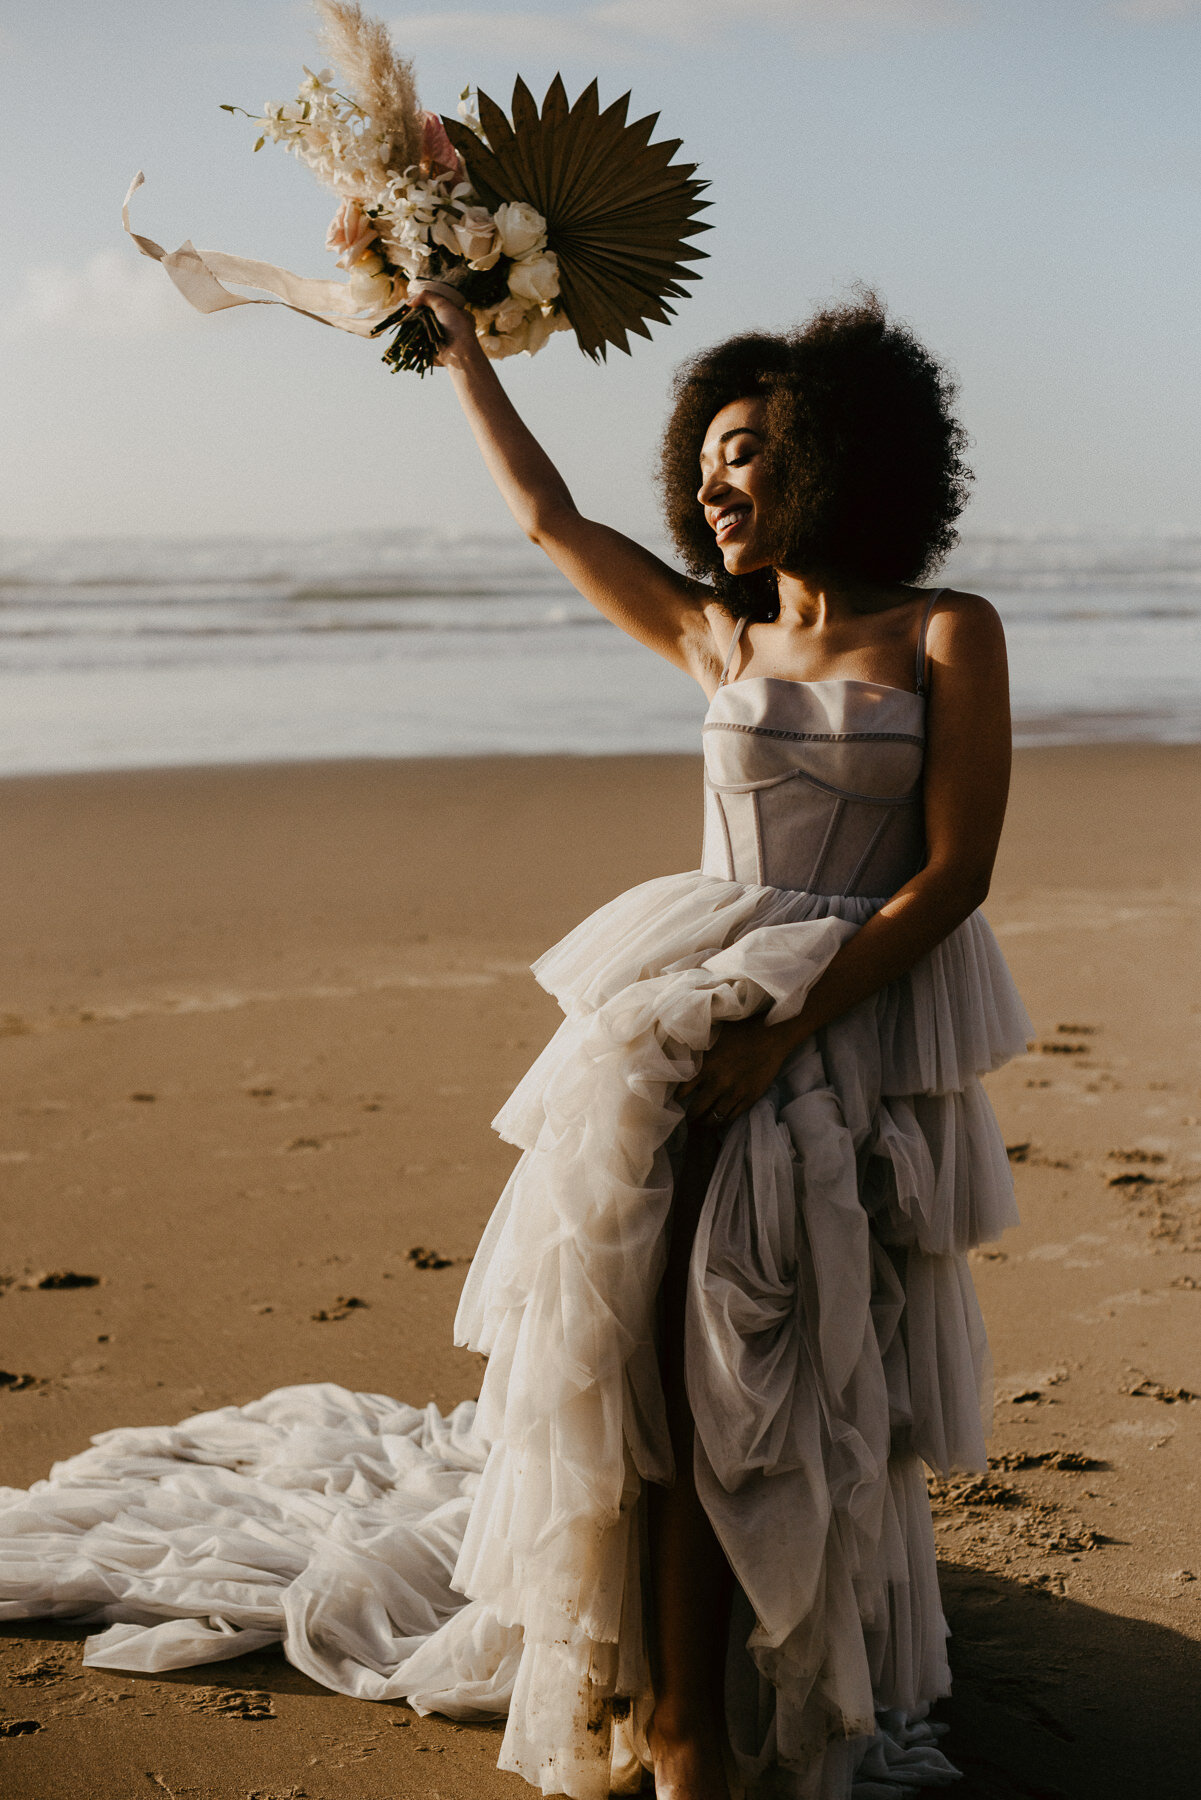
521, 229
510, 315
475, 231
370, 289
540, 327
536, 277
498, 345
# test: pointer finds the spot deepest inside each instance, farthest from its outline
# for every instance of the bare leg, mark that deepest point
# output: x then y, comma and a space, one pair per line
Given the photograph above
691, 1578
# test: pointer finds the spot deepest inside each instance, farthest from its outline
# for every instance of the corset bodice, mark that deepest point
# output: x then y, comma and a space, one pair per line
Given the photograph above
814, 785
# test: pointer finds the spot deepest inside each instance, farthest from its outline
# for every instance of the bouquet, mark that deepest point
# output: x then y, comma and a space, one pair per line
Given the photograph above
564, 218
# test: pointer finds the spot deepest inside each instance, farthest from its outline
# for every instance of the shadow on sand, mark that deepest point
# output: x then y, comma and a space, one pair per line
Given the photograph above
1055, 1700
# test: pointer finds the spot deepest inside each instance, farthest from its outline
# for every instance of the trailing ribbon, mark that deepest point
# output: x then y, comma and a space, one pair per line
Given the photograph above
200, 276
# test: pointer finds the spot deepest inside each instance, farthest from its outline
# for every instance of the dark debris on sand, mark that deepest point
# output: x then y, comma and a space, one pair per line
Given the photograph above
11, 1383
421, 1258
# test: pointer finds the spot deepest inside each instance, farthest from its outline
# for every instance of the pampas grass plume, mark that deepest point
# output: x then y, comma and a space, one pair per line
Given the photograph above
382, 82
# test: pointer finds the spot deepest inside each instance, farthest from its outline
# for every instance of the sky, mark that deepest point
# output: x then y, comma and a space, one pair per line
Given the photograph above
1019, 179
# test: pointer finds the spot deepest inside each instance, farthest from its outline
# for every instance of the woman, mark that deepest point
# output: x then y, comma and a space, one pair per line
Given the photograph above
857, 761
724, 1296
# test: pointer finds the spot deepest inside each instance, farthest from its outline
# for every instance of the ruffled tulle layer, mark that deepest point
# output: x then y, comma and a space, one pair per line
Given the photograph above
833, 1345
954, 1015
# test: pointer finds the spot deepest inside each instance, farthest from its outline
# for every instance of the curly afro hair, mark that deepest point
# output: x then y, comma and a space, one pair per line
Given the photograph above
866, 454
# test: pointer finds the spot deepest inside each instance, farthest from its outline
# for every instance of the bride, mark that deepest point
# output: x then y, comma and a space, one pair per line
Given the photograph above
724, 1296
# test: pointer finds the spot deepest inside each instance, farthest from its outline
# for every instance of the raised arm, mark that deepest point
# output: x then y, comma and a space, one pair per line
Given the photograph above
639, 592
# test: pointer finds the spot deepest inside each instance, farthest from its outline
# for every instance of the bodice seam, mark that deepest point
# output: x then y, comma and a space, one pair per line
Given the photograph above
815, 737
769, 781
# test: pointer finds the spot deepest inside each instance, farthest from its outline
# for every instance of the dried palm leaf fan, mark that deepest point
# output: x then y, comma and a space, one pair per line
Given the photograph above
618, 212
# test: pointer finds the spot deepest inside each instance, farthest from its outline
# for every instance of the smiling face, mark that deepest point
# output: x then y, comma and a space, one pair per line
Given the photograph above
736, 489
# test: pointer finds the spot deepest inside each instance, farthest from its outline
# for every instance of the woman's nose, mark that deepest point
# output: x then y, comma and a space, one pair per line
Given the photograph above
711, 485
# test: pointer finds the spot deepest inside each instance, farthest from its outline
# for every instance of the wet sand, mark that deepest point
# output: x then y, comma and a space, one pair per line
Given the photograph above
253, 1025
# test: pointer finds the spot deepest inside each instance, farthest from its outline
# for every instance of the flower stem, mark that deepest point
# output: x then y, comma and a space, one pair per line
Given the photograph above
418, 339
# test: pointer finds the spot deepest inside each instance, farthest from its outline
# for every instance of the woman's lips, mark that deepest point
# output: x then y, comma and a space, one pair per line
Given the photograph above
730, 521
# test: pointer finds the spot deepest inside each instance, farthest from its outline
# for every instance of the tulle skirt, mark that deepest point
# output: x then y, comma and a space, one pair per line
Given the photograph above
493, 1562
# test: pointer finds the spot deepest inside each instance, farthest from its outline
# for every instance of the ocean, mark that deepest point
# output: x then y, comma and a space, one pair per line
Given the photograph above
141, 653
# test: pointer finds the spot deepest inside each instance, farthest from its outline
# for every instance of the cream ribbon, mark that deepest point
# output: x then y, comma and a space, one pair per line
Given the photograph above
199, 276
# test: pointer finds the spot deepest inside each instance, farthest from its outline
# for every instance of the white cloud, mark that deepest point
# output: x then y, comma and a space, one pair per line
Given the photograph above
605, 29
113, 293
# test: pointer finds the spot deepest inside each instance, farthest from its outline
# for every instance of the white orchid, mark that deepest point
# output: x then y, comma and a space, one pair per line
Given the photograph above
467, 113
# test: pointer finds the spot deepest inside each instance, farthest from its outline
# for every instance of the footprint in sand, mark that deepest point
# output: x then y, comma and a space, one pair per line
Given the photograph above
41, 1671
1027, 1153
20, 1727
1072, 1460
231, 1703
1141, 1387
342, 1307
972, 1491
1025, 1390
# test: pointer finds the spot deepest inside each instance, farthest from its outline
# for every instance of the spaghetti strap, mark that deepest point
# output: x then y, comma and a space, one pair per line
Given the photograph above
921, 639
730, 653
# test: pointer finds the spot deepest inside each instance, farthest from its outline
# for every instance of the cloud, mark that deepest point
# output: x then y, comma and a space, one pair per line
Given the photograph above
111, 294
605, 29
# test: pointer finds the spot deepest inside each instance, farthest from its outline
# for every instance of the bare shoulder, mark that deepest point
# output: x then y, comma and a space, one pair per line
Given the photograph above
968, 677
964, 630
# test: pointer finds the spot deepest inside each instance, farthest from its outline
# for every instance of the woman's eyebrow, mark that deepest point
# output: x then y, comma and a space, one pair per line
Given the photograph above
736, 431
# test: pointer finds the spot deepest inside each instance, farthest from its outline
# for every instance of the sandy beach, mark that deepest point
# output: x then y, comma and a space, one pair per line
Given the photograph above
254, 1023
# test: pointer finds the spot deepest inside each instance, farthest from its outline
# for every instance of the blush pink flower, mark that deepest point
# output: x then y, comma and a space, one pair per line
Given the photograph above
438, 154
351, 233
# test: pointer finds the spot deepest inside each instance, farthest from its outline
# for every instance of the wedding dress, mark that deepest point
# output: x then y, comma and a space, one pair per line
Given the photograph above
493, 1561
